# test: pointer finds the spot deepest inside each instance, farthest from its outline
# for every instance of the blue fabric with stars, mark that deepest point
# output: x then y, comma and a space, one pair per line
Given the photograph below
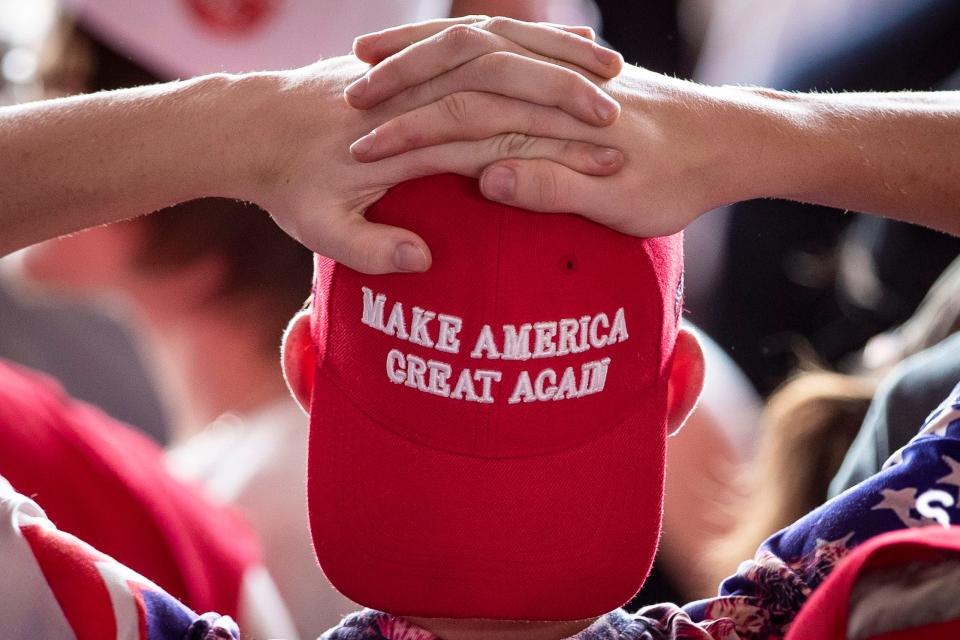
917, 487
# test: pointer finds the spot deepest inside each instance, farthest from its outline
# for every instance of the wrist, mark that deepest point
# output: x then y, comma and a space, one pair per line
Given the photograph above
234, 127
775, 150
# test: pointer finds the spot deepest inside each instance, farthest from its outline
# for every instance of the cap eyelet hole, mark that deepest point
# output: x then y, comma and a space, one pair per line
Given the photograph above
569, 264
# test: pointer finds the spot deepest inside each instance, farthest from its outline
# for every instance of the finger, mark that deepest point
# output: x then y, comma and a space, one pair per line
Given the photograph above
581, 30
515, 76
375, 47
470, 158
543, 185
558, 44
373, 248
466, 116
443, 52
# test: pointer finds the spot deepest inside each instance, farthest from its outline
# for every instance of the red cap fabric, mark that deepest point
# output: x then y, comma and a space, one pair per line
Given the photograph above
487, 439
825, 614
108, 485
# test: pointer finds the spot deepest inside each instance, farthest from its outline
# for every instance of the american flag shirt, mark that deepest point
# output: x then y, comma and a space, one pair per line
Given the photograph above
56, 586
918, 487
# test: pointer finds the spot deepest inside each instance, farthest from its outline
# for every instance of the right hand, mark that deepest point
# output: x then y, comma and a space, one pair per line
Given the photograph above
686, 149
318, 193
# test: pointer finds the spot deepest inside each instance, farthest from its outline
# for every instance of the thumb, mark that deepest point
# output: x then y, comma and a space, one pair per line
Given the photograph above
373, 248
542, 185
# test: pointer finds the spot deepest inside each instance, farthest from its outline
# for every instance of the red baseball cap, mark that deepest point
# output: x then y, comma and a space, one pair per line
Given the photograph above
826, 614
487, 438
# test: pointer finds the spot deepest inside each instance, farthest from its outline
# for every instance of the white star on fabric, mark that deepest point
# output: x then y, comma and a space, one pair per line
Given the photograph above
936, 427
952, 478
839, 543
901, 501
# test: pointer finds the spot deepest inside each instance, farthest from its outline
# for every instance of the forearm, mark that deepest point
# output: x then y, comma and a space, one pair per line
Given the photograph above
893, 154
78, 162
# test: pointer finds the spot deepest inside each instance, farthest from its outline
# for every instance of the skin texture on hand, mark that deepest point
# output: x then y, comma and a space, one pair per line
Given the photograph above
689, 148
317, 192
665, 149
279, 139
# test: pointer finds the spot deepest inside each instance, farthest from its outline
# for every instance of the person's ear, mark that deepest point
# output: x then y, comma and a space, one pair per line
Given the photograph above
686, 380
298, 355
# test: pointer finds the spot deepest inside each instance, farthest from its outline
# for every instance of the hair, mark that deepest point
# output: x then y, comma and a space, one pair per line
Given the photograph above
262, 263
936, 319
808, 425
810, 422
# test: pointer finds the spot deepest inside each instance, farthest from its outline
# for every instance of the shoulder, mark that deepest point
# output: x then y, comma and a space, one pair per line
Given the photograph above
75, 590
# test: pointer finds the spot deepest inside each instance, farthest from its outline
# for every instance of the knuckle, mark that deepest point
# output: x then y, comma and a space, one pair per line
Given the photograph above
533, 123
459, 35
547, 187
497, 24
455, 107
513, 144
573, 149
364, 256
402, 133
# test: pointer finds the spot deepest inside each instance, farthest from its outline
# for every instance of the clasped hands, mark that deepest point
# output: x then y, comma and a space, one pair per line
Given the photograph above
548, 119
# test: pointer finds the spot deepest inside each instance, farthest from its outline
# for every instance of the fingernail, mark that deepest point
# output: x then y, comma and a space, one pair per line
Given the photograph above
364, 144
606, 56
409, 257
606, 107
499, 183
606, 157
358, 88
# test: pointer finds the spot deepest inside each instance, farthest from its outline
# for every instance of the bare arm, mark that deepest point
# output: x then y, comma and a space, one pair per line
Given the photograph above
281, 140
689, 148
894, 154
78, 162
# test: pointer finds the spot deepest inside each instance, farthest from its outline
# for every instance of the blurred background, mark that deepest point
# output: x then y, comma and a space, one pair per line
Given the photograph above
827, 330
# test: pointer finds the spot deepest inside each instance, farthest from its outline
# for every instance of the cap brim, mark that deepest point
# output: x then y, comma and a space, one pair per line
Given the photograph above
412, 530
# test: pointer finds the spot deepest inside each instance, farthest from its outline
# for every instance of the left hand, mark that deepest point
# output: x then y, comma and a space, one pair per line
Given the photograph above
304, 175
687, 148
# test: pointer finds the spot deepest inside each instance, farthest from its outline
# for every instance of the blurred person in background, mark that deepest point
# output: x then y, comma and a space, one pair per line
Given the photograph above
807, 426
206, 284
826, 282
108, 485
918, 359
824, 432
65, 340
